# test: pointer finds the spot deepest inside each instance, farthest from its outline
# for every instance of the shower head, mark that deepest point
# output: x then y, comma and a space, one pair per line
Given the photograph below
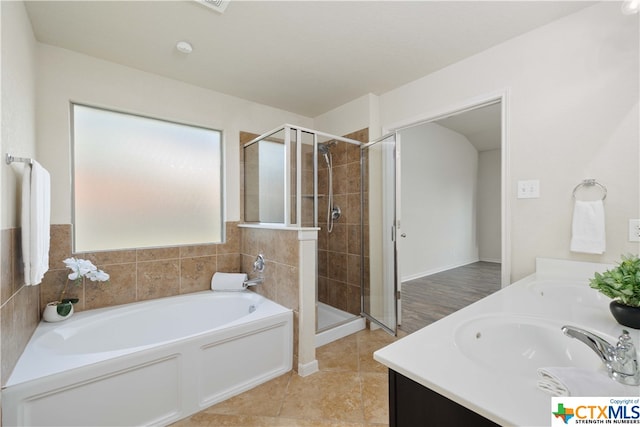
323, 149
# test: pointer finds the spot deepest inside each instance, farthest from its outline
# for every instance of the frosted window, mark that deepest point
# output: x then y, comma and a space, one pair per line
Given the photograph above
140, 182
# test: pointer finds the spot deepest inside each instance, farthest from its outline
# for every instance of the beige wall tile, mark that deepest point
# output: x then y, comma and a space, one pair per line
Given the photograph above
10, 339
112, 257
340, 179
229, 263
60, 244
338, 239
337, 266
120, 289
157, 279
287, 286
353, 300
353, 239
6, 268
196, 273
20, 316
353, 178
339, 153
353, 270
157, 254
232, 243
198, 250
52, 285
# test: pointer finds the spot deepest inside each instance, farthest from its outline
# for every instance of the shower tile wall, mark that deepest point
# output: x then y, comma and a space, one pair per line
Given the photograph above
339, 251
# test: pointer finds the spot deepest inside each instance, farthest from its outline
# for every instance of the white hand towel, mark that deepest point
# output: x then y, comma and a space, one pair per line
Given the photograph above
228, 281
587, 231
563, 381
36, 219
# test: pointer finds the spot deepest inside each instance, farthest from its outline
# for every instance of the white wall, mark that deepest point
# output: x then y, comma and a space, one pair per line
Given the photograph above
489, 235
66, 76
358, 114
18, 104
439, 173
572, 114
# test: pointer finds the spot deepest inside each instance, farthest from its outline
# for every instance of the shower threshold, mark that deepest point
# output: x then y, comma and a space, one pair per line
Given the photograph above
334, 324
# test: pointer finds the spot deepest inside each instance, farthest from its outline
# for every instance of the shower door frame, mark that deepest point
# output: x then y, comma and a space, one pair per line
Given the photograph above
287, 161
390, 303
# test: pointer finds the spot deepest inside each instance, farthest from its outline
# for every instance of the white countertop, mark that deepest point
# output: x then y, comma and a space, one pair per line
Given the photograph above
432, 357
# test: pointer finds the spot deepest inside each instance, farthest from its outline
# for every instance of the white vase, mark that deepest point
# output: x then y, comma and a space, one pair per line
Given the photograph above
50, 313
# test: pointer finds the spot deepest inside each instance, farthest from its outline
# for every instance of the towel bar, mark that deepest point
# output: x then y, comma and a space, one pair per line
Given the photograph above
10, 159
590, 183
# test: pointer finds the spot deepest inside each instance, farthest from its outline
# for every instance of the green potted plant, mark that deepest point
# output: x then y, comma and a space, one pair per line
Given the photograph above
81, 269
622, 283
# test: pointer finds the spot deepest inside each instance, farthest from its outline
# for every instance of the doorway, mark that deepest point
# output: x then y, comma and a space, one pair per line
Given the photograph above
451, 249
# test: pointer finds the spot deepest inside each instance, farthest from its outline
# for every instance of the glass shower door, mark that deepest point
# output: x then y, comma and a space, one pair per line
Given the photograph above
379, 254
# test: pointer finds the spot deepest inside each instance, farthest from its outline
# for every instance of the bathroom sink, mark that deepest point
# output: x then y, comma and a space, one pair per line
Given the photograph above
569, 293
519, 345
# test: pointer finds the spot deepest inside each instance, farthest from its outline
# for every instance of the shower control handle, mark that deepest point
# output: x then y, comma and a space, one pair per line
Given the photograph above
335, 213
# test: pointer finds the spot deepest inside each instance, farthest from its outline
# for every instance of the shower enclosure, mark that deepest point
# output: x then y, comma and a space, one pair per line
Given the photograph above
305, 178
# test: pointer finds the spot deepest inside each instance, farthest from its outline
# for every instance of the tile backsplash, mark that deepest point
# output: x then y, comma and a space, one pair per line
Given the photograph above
139, 274
19, 312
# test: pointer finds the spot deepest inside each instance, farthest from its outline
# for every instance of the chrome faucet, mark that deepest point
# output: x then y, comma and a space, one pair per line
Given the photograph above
253, 282
621, 360
258, 266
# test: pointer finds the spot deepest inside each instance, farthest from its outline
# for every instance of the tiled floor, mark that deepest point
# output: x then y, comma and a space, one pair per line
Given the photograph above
349, 390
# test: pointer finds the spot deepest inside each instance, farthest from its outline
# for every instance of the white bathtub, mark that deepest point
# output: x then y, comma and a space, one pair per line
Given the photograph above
148, 363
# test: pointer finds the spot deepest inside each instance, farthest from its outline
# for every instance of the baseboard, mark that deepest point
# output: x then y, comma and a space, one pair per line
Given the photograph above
308, 368
494, 260
437, 270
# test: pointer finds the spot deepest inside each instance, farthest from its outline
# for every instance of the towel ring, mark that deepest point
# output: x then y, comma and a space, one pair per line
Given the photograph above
590, 183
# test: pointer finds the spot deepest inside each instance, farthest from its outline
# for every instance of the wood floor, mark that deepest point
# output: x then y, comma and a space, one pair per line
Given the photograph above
430, 298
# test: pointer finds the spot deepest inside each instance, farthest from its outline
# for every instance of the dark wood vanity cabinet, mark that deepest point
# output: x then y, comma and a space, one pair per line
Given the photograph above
413, 405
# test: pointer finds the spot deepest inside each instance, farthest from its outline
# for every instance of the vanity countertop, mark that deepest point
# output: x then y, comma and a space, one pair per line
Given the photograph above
433, 356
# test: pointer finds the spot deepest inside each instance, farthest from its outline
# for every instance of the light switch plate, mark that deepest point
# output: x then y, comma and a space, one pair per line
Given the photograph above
634, 230
529, 189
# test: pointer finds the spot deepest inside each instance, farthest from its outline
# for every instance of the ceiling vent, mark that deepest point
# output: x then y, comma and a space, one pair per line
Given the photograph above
217, 5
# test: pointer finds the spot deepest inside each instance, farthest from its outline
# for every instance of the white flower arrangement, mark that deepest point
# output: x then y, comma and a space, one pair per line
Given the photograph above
80, 269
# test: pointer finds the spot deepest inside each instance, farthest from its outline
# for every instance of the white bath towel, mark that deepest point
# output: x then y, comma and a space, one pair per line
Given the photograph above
567, 381
228, 281
587, 231
36, 219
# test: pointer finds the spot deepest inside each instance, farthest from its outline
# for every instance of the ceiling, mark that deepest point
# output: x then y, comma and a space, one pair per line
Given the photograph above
481, 126
306, 57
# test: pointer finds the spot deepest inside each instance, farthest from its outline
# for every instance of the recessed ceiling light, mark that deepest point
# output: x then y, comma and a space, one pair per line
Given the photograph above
184, 47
